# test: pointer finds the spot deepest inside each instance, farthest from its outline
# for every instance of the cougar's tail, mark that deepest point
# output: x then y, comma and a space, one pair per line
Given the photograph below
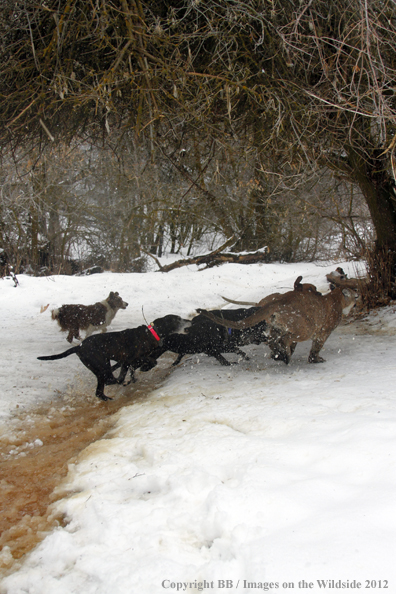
61, 355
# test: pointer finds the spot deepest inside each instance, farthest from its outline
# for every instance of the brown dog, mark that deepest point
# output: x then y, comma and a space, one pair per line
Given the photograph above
73, 318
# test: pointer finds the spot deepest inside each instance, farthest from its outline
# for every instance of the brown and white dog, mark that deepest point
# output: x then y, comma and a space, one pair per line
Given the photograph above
74, 317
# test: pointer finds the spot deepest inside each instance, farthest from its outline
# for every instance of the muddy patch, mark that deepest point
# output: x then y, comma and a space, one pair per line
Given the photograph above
36, 447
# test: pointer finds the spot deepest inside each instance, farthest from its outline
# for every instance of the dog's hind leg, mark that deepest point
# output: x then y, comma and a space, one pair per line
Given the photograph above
241, 353
124, 370
73, 333
102, 370
105, 378
222, 360
100, 390
179, 358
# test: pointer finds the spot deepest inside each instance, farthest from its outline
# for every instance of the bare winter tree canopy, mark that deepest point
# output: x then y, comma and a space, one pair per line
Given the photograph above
306, 85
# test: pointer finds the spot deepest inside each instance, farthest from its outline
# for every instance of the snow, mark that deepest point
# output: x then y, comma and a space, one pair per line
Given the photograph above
250, 477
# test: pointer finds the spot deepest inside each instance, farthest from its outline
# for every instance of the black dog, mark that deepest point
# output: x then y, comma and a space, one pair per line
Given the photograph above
205, 336
130, 349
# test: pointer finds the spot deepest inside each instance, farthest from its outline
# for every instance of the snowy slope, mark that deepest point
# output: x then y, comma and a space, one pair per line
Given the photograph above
257, 474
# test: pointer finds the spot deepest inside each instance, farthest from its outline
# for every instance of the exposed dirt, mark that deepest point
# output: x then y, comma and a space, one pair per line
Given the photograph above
36, 447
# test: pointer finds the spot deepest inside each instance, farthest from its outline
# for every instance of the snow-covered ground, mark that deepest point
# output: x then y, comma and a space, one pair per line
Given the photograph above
259, 476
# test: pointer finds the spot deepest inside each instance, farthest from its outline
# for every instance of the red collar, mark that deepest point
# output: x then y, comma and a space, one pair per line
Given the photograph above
153, 332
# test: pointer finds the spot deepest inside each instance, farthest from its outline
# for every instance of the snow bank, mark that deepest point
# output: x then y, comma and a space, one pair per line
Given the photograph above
255, 474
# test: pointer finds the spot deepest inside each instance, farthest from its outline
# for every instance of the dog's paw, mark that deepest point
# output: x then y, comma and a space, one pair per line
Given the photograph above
316, 359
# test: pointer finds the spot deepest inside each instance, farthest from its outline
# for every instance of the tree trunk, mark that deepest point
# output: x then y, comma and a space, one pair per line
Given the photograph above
34, 232
378, 189
159, 242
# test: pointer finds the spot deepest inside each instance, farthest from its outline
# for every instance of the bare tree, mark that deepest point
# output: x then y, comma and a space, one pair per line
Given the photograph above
302, 85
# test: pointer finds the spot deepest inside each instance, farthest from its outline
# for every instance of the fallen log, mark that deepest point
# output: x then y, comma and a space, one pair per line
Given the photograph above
215, 258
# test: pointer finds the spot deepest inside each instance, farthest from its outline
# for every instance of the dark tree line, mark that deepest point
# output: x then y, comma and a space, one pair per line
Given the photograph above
78, 206
294, 88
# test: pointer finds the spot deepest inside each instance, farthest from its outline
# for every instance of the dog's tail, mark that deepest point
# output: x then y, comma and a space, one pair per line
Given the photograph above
239, 302
61, 355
